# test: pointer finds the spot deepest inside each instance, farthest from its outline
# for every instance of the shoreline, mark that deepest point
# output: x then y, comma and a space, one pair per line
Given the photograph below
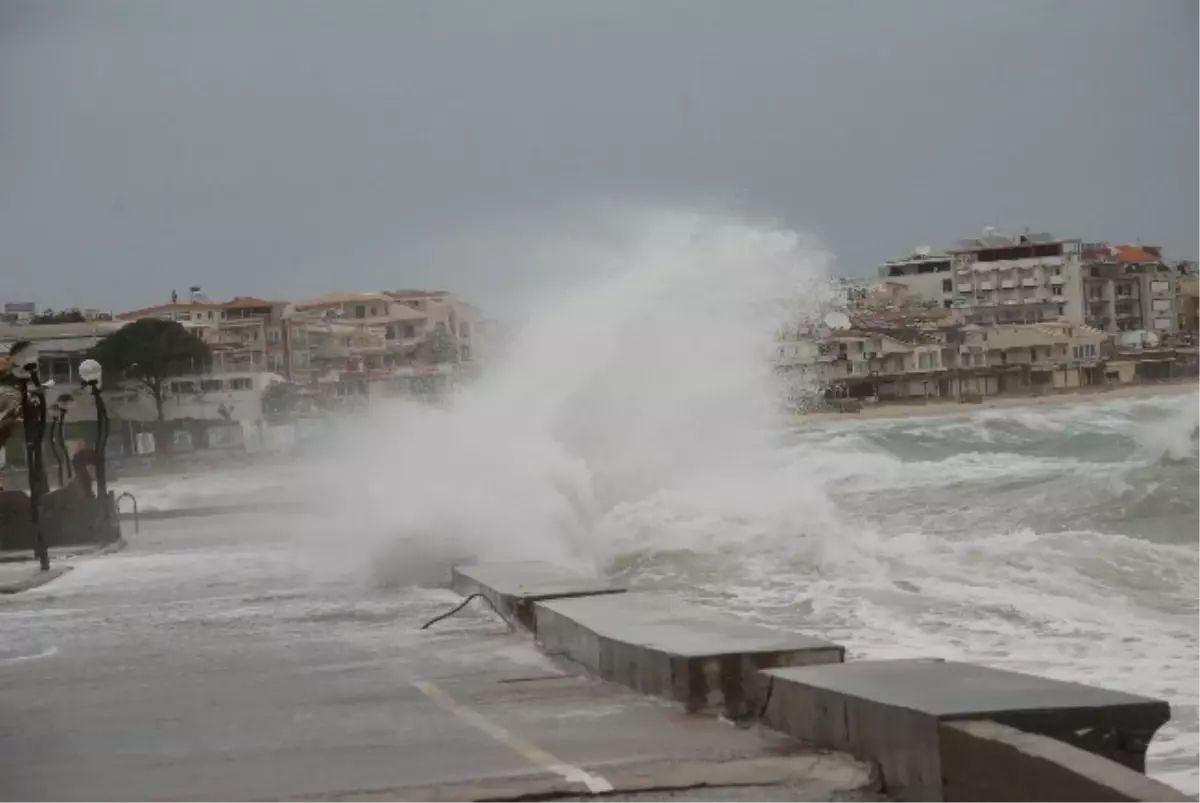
1086, 395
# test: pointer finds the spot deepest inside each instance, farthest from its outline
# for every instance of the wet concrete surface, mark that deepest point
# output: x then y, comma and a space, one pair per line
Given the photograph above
755, 794
218, 658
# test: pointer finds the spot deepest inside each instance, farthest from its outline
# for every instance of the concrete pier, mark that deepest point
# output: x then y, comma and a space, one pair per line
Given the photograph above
661, 645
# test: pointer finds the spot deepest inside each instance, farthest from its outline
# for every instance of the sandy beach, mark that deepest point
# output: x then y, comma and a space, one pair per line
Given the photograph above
1079, 396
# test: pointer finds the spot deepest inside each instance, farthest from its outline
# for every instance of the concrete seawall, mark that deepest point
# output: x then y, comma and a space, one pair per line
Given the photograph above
936, 730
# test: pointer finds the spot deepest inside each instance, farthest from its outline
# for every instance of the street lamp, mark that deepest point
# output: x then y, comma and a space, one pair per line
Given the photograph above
24, 358
59, 433
58, 413
90, 374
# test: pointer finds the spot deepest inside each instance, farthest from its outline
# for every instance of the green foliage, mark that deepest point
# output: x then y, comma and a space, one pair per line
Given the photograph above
148, 351
66, 316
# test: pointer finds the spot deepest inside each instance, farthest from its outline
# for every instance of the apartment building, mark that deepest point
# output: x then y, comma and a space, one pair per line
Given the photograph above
1025, 278
1129, 288
378, 335
1187, 301
924, 274
243, 334
949, 361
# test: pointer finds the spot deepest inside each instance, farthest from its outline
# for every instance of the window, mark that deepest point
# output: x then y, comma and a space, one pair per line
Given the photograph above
1160, 287
183, 387
410, 331
210, 385
360, 311
947, 285
1162, 323
1056, 290
241, 383
1162, 304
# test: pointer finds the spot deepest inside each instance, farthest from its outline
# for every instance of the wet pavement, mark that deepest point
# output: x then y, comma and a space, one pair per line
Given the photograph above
214, 658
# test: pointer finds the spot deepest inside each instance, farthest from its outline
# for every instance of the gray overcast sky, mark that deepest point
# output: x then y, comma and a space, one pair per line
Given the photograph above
293, 148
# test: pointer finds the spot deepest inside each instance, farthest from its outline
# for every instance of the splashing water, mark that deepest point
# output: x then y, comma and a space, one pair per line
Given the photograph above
652, 378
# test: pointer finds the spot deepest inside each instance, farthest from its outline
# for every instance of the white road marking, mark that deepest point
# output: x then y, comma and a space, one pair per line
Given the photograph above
46, 653
530, 752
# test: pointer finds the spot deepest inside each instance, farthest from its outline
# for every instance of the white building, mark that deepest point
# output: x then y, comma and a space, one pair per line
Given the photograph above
926, 275
1025, 278
213, 397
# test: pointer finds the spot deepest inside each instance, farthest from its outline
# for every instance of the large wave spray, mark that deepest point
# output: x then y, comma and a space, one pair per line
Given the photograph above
651, 376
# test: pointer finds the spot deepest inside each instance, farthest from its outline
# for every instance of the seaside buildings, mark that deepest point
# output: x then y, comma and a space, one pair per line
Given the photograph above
336, 352
1036, 277
1000, 313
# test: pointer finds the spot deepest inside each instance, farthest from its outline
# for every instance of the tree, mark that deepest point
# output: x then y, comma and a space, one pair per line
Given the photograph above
148, 352
66, 316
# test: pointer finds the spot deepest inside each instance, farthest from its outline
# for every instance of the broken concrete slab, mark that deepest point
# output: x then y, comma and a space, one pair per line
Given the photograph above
661, 645
890, 711
513, 587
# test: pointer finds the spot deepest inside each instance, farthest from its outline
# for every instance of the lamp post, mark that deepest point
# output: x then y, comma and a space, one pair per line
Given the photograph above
24, 357
90, 374
56, 414
58, 437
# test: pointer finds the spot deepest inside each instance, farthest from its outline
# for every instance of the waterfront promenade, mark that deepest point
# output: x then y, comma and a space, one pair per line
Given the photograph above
211, 659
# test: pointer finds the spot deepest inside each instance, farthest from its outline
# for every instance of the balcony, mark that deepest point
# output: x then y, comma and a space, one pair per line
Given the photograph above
1058, 280
1008, 284
965, 287
987, 286
1030, 281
